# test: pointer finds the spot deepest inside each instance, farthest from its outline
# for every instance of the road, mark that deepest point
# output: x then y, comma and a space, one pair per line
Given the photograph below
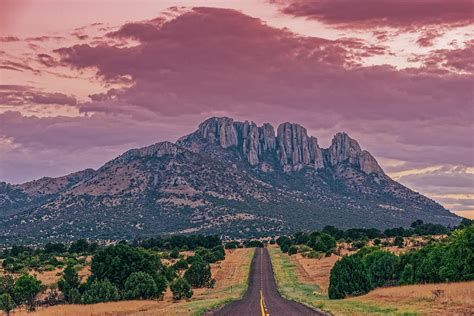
262, 297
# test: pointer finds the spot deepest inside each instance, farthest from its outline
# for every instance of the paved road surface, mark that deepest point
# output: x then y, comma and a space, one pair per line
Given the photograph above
262, 297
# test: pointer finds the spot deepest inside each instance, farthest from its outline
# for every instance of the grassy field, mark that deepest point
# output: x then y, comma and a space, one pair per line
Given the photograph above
300, 284
231, 283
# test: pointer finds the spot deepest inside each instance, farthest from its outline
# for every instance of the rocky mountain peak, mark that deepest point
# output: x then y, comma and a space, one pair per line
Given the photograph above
220, 130
292, 147
344, 149
296, 149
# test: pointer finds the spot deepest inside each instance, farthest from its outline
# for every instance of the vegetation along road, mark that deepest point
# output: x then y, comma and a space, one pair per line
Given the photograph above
262, 297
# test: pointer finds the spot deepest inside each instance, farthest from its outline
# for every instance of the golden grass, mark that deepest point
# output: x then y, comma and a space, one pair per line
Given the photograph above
456, 298
305, 279
231, 282
315, 270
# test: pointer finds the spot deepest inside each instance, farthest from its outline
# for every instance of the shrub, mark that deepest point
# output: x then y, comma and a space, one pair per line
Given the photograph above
232, 245
358, 244
174, 254
219, 253
407, 276
74, 296
27, 287
6, 303
322, 242
69, 281
181, 265
398, 241
348, 277
199, 274
161, 284
292, 250
206, 254
181, 289
314, 254
381, 267
117, 263
79, 246
100, 291
7, 284
140, 285
55, 248
458, 261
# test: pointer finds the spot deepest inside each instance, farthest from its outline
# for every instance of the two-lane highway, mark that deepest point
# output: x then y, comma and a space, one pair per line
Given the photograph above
262, 297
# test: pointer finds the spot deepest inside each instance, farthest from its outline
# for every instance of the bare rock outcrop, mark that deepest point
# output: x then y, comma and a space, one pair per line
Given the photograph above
156, 150
219, 130
292, 146
296, 149
344, 149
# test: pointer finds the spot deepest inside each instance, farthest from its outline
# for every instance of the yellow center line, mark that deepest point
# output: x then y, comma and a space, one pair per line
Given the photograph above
262, 300
262, 304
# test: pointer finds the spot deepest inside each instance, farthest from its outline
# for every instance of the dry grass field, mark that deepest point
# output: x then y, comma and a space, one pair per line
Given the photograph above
307, 280
318, 270
231, 282
429, 299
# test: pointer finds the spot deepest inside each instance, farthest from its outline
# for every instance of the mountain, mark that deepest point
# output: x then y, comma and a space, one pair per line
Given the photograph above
228, 177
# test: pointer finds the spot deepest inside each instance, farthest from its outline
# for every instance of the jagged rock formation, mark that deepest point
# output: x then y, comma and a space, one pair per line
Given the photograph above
231, 178
292, 146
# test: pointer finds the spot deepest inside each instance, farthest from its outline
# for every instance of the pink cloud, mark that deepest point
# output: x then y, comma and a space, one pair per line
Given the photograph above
23, 95
458, 59
379, 13
189, 65
6, 39
207, 62
428, 37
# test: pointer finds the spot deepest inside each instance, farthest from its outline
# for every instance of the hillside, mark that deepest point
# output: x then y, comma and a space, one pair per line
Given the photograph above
231, 178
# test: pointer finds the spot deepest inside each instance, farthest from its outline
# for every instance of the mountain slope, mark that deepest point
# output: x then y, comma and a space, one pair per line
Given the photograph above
230, 178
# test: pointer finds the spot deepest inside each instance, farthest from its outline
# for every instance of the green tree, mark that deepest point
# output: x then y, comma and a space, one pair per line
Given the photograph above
27, 287
348, 277
206, 254
7, 304
79, 246
398, 241
161, 283
68, 282
181, 289
322, 242
74, 296
292, 250
7, 284
140, 285
100, 291
407, 275
181, 265
117, 263
219, 253
199, 274
458, 260
381, 267
174, 254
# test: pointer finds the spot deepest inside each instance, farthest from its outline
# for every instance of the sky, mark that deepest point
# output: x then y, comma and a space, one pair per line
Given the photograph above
83, 81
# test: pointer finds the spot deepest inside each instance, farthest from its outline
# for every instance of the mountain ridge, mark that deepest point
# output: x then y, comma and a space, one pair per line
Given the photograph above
228, 177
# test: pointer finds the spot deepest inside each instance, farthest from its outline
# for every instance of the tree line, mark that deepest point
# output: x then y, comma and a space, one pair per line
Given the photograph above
118, 272
372, 267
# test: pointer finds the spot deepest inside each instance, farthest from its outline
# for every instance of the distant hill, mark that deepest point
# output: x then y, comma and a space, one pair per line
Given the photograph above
230, 178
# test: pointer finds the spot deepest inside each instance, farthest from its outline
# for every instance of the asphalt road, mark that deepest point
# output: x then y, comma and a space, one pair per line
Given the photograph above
262, 297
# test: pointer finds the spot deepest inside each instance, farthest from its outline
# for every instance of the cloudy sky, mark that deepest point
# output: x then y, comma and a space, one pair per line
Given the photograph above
83, 81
